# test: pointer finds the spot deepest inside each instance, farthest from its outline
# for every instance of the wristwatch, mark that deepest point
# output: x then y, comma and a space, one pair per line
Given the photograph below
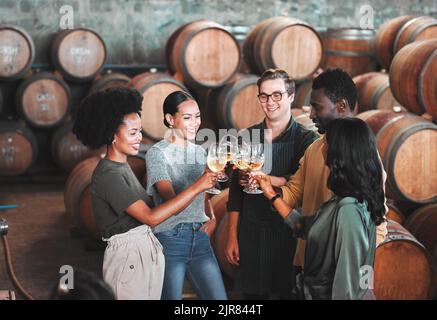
273, 199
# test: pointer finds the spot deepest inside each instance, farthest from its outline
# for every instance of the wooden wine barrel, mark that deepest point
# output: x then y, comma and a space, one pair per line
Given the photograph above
79, 54
302, 116
77, 197
350, 49
249, 45
423, 225
67, 150
110, 80
375, 93
385, 38
403, 268
416, 29
77, 193
18, 149
406, 144
154, 87
377, 119
360, 82
43, 100
285, 43
418, 91
394, 213
302, 96
236, 105
17, 53
407, 148
204, 53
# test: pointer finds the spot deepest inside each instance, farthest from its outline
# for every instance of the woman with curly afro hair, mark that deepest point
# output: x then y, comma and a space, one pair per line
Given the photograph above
133, 263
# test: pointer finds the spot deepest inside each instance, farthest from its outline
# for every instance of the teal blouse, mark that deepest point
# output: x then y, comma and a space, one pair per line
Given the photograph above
340, 250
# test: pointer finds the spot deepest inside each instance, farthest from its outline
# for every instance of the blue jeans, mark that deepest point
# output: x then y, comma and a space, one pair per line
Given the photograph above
188, 251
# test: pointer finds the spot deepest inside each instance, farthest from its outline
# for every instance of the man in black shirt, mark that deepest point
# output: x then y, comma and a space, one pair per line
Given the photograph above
259, 242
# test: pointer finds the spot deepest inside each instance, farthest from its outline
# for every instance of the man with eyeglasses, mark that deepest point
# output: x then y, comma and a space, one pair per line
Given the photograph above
259, 242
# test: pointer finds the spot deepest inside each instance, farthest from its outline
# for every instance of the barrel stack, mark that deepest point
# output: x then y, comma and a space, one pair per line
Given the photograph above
394, 70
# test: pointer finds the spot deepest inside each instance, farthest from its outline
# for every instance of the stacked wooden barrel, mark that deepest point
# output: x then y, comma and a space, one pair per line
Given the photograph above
350, 49
77, 196
79, 54
394, 213
17, 53
203, 54
43, 100
110, 80
374, 92
422, 223
406, 144
397, 33
236, 105
403, 268
417, 91
155, 87
282, 42
67, 150
18, 148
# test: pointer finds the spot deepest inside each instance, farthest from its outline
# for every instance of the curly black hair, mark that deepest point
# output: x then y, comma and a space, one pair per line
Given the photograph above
354, 164
338, 85
101, 113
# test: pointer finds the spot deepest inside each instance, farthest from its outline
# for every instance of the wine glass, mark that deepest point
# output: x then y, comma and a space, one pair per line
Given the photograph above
223, 150
230, 149
216, 161
256, 163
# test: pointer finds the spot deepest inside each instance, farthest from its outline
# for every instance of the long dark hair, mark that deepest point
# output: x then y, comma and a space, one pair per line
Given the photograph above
354, 164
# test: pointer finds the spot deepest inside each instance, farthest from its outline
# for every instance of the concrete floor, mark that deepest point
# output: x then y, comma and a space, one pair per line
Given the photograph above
39, 239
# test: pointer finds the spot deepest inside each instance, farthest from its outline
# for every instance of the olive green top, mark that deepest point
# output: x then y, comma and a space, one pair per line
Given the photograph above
114, 187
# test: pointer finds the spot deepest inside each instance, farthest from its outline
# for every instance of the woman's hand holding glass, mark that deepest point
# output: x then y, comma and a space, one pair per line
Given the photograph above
216, 161
256, 163
265, 183
230, 149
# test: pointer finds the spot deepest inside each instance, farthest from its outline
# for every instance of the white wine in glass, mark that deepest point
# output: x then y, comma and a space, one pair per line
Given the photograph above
242, 164
216, 165
256, 163
216, 161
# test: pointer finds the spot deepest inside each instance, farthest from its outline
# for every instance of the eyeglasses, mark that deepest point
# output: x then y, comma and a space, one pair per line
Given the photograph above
276, 96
